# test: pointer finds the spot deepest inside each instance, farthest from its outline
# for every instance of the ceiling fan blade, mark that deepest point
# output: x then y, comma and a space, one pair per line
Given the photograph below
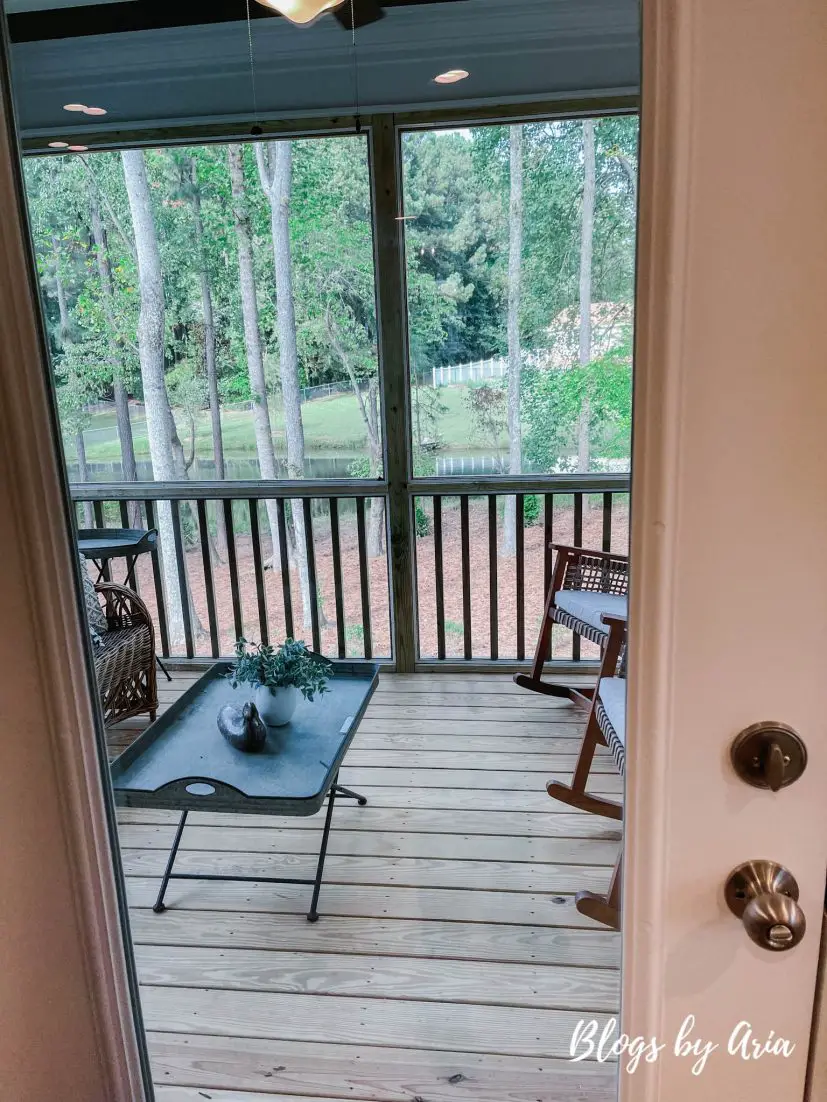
365, 11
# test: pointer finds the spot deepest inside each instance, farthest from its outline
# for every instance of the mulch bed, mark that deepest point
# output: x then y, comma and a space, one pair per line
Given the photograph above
563, 532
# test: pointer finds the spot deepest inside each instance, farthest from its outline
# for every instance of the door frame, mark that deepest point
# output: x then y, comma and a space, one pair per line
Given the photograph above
100, 1018
684, 223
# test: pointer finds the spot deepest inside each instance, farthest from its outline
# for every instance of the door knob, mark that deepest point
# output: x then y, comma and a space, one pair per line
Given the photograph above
764, 895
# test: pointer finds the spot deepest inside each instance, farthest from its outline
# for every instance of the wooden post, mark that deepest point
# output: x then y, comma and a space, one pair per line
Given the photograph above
391, 308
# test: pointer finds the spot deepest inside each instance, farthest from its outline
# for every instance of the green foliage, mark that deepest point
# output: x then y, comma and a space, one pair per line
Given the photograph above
552, 401
360, 468
263, 666
531, 510
422, 522
487, 405
456, 194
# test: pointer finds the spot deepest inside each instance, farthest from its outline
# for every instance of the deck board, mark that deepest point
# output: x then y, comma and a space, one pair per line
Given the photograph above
449, 963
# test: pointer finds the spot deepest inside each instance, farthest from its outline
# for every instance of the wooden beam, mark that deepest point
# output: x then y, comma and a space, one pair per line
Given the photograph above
391, 304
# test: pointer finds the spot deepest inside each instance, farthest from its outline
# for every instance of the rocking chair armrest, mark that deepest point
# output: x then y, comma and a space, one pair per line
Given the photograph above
577, 552
124, 608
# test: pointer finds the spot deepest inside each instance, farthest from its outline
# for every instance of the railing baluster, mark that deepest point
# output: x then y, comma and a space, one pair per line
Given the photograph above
284, 559
607, 521
310, 546
493, 580
548, 556
364, 579
124, 514
578, 542
439, 579
158, 581
206, 559
258, 567
97, 508
183, 588
520, 575
465, 533
232, 561
338, 591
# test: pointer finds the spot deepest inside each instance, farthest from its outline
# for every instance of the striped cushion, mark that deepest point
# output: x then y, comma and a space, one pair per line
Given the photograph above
589, 605
610, 712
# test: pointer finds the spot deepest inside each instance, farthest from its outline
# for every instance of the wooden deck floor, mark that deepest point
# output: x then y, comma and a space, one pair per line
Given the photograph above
449, 963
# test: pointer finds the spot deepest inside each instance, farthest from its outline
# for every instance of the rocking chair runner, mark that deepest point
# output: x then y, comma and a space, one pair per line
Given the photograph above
606, 726
586, 586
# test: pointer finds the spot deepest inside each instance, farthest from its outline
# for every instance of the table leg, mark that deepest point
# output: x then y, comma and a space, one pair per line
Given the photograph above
129, 580
313, 914
342, 791
159, 907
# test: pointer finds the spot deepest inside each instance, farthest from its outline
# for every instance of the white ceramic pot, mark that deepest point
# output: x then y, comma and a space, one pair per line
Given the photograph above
276, 707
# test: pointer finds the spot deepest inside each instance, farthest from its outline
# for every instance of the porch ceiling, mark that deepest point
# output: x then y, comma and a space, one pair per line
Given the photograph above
519, 51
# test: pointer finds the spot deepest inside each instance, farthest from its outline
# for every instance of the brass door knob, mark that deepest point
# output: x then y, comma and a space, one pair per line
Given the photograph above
764, 895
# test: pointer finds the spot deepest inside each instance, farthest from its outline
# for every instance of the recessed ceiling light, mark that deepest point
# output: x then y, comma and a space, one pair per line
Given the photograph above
453, 76
94, 110
58, 145
78, 148
74, 107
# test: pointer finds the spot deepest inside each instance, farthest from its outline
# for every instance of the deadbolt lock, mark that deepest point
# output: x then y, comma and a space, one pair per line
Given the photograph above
769, 755
764, 895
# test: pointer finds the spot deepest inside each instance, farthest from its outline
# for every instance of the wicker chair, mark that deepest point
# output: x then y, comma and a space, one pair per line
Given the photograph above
585, 587
606, 726
125, 656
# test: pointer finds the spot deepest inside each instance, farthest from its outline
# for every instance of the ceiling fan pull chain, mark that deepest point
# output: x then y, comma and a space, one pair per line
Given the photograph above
355, 67
256, 128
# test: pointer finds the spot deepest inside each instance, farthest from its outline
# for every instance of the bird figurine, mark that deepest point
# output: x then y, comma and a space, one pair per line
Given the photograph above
242, 727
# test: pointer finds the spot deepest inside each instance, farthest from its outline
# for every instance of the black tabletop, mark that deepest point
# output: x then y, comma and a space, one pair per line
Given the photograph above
183, 762
115, 543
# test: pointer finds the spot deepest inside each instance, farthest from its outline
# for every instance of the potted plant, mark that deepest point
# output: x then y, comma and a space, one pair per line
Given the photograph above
279, 675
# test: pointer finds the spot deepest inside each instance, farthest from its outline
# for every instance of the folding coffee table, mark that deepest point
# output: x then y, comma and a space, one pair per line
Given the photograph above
182, 762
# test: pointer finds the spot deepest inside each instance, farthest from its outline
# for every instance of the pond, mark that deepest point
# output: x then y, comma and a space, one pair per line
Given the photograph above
316, 465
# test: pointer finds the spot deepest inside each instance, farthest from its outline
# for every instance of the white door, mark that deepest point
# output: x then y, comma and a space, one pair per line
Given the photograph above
729, 544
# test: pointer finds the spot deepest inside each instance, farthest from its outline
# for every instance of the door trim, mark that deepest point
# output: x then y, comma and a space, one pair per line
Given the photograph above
66, 715
663, 240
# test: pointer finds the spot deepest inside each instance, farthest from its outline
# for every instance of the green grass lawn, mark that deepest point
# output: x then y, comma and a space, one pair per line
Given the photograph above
330, 425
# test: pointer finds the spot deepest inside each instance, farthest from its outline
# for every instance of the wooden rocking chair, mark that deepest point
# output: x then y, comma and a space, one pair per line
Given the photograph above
586, 586
606, 726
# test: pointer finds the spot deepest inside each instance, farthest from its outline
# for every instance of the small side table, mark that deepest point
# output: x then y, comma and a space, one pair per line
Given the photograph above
102, 544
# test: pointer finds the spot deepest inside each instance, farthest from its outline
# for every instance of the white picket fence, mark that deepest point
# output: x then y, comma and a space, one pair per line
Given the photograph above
480, 370
470, 373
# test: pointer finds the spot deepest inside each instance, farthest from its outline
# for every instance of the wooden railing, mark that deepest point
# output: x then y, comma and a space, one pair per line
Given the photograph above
496, 585
476, 596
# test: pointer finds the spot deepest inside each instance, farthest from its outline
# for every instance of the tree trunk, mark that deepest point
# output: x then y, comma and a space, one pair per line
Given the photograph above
376, 522
252, 337
275, 166
65, 339
120, 394
515, 263
586, 253
151, 351
209, 347
83, 476
369, 411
